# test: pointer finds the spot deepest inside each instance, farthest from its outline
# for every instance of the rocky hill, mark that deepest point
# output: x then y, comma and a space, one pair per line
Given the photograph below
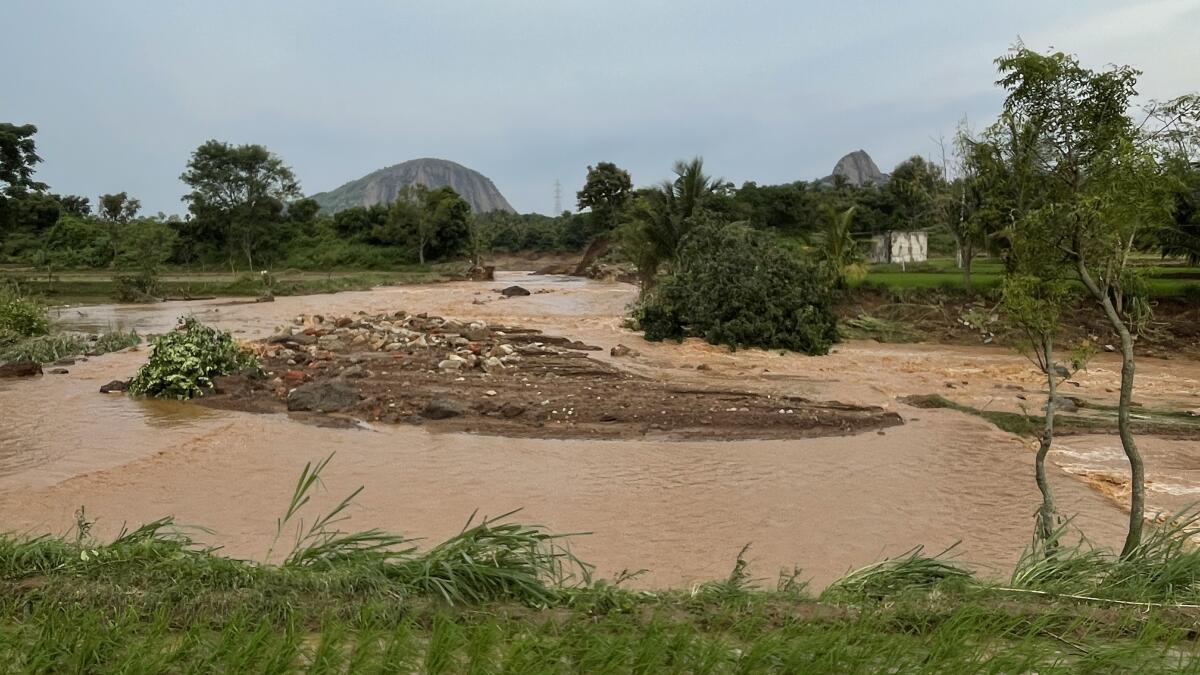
858, 169
381, 187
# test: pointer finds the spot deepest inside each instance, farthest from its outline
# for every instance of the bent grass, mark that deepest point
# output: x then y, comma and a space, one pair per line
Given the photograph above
506, 597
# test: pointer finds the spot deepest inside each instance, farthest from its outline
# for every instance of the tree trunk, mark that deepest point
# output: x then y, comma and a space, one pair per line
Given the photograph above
1046, 512
421, 253
1137, 471
249, 258
968, 253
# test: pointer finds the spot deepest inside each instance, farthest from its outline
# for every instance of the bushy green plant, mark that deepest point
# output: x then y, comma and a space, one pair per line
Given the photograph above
44, 348
183, 362
737, 286
116, 341
21, 316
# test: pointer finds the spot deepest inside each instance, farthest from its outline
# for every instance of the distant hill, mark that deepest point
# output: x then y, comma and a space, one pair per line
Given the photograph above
382, 186
858, 169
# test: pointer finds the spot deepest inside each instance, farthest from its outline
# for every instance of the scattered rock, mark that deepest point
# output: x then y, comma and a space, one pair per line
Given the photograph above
620, 350
510, 410
114, 386
1065, 404
58, 371
20, 369
513, 291
265, 298
65, 362
294, 378
322, 397
343, 322
1109, 348
354, 372
442, 408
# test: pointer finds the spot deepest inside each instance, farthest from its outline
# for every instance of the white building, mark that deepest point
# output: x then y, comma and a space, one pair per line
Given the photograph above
900, 247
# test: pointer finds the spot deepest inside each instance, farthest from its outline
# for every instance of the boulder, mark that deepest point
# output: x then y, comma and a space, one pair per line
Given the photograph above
620, 350
20, 369
114, 386
322, 397
441, 409
354, 372
513, 291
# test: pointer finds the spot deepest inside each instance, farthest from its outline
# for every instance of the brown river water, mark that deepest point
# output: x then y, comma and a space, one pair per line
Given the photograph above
680, 510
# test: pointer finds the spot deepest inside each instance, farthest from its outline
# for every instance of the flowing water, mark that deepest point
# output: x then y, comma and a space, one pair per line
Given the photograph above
680, 510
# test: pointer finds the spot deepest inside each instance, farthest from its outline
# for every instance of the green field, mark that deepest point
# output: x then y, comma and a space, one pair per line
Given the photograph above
942, 273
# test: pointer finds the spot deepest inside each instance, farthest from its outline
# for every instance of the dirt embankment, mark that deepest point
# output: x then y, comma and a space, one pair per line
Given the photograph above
500, 380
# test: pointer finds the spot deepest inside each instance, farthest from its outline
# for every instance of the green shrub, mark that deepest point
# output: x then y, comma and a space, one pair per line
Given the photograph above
183, 362
45, 348
21, 316
116, 341
139, 287
737, 286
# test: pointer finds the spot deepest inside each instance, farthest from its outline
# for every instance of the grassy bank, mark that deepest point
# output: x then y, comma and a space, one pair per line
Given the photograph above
506, 597
1089, 418
1163, 281
99, 287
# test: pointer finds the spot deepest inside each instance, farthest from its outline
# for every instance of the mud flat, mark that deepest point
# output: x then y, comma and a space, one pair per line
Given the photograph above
468, 376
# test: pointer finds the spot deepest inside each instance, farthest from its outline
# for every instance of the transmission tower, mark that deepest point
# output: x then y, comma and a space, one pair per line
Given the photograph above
557, 197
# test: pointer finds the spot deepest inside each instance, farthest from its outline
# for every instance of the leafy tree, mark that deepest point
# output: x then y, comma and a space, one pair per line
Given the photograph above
21, 204
18, 155
1097, 182
74, 205
606, 192
837, 248
738, 286
118, 208
303, 211
361, 222
444, 230
661, 217
145, 246
76, 242
793, 207
238, 193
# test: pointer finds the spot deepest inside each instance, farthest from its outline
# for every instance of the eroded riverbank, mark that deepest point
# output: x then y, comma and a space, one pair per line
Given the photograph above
680, 509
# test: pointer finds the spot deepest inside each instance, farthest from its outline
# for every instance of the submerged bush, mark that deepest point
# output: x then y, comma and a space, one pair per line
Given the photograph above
47, 348
183, 362
738, 286
20, 316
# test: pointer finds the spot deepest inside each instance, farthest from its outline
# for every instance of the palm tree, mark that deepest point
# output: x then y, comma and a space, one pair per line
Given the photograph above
837, 248
664, 215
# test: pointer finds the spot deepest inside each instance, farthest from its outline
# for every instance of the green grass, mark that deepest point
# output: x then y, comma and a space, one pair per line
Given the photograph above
942, 273
502, 597
1093, 418
48, 348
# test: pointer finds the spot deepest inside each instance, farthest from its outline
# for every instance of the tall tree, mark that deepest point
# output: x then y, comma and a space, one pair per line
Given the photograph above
118, 208
18, 155
239, 191
74, 205
606, 192
662, 217
1065, 131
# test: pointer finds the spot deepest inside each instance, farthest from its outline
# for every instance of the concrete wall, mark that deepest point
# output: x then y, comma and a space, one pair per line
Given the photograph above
900, 247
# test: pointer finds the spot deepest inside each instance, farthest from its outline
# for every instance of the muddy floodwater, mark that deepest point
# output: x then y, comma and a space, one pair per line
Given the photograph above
681, 509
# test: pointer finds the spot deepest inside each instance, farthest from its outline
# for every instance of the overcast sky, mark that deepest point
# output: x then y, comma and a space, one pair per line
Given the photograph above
531, 92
